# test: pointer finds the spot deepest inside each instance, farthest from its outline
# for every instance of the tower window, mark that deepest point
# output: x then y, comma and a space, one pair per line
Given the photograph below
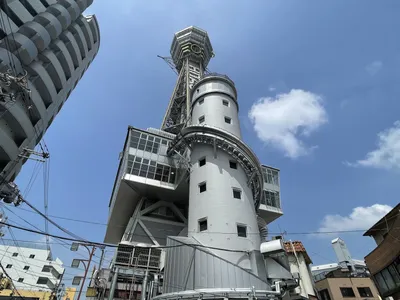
8, 266
32, 256
202, 187
26, 268
202, 119
233, 164
228, 120
203, 225
237, 194
225, 102
20, 279
242, 230
15, 254
201, 101
202, 162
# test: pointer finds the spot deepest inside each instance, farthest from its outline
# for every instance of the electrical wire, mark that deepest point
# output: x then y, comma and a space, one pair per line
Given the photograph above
116, 246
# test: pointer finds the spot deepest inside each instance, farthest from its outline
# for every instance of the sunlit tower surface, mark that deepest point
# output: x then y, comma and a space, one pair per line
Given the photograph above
196, 186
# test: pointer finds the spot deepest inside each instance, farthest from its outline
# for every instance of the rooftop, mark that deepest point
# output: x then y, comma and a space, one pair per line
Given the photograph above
382, 222
298, 248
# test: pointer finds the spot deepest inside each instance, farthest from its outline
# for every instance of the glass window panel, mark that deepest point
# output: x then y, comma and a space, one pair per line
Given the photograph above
155, 148
388, 279
141, 146
144, 136
158, 140
135, 133
395, 275
146, 161
151, 138
381, 283
172, 176
164, 142
138, 159
143, 170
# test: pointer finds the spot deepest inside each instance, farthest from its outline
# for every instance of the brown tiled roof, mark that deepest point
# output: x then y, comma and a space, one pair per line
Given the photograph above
299, 248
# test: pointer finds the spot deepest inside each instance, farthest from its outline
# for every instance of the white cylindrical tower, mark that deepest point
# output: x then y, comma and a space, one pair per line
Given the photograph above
221, 206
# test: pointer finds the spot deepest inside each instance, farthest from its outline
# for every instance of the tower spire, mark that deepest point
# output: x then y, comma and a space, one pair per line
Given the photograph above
191, 52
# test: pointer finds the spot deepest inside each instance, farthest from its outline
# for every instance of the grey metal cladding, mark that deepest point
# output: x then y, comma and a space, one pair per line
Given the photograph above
54, 43
189, 267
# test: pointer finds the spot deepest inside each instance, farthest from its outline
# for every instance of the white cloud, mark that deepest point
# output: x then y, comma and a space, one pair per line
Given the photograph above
374, 67
361, 218
282, 120
387, 154
271, 88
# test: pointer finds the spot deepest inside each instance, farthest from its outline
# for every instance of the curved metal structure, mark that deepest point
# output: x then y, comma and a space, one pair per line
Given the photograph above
45, 48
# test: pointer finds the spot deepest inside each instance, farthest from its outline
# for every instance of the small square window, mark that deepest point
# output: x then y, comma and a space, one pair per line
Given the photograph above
225, 102
202, 162
26, 268
233, 164
365, 292
228, 120
202, 119
203, 224
8, 266
201, 101
20, 279
202, 187
32, 256
347, 292
237, 194
15, 254
242, 230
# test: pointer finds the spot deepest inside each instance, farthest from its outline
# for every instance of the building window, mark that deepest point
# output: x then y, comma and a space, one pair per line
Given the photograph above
381, 283
233, 164
202, 119
242, 230
324, 294
42, 280
271, 199
271, 176
202, 162
228, 120
46, 269
364, 292
202, 187
26, 268
201, 101
203, 224
32, 256
388, 279
150, 169
225, 102
15, 254
347, 292
8, 266
237, 194
145, 142
20, 280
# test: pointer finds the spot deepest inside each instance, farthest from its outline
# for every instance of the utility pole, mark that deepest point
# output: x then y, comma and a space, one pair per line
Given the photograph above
86, 262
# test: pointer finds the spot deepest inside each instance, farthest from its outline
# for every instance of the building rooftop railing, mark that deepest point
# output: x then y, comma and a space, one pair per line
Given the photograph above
21, 244
218, 75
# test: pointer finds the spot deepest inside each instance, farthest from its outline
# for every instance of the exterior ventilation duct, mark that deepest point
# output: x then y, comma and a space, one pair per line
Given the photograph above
262, 227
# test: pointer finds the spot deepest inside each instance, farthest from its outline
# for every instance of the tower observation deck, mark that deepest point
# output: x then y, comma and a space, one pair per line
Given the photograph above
197, 188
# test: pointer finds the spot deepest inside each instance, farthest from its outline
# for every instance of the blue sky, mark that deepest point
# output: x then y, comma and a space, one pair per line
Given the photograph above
318, 92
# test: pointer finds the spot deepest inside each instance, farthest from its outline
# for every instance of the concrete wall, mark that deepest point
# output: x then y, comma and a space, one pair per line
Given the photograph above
333, 285
55, 45
217, 205
299, 265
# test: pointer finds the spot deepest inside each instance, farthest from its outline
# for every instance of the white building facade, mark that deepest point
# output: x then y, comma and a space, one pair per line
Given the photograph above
30, 266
